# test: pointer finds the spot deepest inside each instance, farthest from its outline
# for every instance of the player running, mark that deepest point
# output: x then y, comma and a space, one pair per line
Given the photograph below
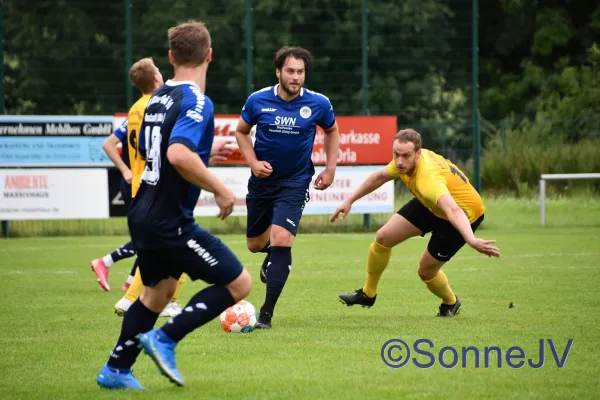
147, 78
286, 117
177, 136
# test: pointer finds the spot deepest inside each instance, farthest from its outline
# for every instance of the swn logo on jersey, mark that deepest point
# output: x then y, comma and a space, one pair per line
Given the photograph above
289, 121
206, 256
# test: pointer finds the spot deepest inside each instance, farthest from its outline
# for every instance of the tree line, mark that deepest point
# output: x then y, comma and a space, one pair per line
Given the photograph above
538, 64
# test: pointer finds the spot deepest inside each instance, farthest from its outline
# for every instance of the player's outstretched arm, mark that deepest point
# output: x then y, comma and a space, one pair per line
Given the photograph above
260, 169
192, 169
110, 148
373, 182
459, 220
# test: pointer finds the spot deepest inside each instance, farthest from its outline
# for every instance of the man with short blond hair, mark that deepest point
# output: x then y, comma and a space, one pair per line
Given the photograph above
146, 77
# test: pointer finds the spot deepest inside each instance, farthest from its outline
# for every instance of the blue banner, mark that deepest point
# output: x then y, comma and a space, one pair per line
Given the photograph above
54, 141
81, 151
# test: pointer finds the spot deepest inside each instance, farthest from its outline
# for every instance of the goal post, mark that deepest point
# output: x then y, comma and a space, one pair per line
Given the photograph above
548, 177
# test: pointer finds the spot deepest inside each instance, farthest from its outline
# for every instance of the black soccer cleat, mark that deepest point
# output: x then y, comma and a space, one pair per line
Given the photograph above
264, 321
449, 310
359, 297
263, 269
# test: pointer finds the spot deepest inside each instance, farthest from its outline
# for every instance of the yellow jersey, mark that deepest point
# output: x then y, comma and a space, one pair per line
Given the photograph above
137, 163
435, 176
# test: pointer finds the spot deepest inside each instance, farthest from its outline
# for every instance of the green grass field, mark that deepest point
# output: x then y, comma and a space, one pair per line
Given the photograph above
58, 326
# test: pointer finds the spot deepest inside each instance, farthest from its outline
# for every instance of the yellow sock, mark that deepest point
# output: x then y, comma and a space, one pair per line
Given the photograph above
439, 286
137, 287
377, 260
180, 283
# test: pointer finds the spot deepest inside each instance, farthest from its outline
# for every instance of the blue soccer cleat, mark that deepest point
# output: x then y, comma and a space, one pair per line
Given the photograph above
110, 378
162, 350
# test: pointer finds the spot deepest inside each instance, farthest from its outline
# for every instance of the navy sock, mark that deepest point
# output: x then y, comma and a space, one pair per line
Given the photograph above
136, 263
122, 252
277, 274
206, 305
266, 249
138, 319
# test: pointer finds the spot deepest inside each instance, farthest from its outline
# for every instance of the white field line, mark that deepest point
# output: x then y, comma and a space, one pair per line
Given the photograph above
109, 248
406, 260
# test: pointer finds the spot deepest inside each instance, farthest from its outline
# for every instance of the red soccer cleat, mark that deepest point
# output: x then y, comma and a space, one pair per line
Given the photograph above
101, 271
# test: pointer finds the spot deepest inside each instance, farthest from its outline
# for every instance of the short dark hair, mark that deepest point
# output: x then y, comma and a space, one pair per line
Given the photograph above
297, 52
409, 135
189, 43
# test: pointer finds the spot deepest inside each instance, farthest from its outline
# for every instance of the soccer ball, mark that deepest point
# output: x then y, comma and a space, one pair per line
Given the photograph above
240, 317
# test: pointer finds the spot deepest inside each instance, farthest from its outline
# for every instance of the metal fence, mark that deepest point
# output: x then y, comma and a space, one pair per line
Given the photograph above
413, 59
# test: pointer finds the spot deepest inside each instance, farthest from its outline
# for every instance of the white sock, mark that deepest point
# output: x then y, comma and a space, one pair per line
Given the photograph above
108, 261
130, 279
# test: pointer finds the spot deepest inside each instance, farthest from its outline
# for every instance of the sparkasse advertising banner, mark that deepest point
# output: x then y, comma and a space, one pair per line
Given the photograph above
28, 194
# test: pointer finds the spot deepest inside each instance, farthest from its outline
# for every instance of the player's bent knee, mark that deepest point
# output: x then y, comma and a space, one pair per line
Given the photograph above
282, 238
156, 298
241, 286
253, 246
427, 274
256, 244
382, 238
428, 270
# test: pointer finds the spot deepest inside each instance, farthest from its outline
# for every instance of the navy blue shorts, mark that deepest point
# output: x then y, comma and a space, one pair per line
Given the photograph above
125, 190
274, 204
201, 256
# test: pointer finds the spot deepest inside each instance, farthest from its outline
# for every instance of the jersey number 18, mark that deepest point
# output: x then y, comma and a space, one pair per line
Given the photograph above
153, 138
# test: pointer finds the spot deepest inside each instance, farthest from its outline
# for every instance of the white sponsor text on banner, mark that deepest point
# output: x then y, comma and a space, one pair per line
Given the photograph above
29, 194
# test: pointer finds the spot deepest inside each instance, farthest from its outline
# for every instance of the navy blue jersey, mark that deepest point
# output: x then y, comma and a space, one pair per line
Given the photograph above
161, 213
285, 132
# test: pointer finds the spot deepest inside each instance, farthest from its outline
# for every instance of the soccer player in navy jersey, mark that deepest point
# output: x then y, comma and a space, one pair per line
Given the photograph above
286, 116
176, 136
146, 77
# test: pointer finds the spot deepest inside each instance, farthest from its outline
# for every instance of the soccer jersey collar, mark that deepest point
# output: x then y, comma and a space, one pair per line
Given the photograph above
177, 83
276, 95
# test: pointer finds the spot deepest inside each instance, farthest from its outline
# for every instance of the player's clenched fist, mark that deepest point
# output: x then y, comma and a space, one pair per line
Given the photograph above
325, 179
261, 169
225, 201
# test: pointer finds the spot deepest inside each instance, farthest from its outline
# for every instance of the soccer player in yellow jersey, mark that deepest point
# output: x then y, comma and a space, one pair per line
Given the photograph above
146, 77
445, 204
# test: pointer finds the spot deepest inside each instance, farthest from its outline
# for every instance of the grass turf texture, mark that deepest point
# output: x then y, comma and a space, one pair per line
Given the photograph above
59, 327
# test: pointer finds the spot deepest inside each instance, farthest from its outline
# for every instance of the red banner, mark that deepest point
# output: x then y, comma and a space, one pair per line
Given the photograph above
363, 140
